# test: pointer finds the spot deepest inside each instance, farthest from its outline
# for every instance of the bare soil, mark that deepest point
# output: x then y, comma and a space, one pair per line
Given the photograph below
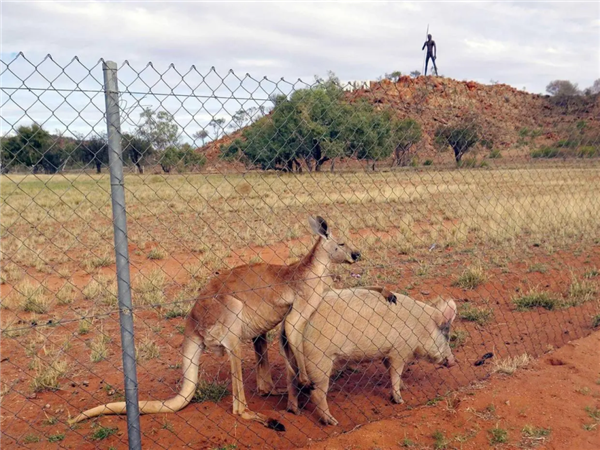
360, 394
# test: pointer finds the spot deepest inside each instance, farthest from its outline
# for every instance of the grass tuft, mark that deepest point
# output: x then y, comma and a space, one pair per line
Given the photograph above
535, 299
210, 392
458, 338
31, 298
509, 365
101, 433
148, 349
47, 372
581, 291
478, 314
471, 278
99, 347
157, 253
498, 436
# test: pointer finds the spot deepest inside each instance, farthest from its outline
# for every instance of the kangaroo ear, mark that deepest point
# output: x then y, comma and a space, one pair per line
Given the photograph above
319, 226
446, 312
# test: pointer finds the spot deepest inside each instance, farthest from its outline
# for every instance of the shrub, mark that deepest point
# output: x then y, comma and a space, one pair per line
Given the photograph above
546, 152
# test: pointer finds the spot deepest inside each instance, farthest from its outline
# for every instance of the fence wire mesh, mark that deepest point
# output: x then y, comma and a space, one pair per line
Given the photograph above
449, 190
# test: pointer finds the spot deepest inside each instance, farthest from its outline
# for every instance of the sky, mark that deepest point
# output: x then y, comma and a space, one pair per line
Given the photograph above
524, 44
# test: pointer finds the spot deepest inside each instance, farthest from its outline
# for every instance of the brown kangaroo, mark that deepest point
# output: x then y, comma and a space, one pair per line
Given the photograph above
245, 303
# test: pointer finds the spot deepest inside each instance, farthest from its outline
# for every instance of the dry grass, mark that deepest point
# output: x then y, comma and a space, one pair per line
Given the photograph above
65, 295
148, 289
29, 297
47, 371
99, 347
101, 290
509, 365
148, 349
488, 206
581, 291
157, 253
478, 314
471, 278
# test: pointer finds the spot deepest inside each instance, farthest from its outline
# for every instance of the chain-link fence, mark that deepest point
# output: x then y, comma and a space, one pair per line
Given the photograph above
453, 190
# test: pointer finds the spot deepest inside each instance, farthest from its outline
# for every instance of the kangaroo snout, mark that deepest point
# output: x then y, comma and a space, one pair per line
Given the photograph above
355, 256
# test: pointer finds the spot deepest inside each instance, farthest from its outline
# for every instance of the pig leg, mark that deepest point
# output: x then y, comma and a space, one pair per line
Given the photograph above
396, 367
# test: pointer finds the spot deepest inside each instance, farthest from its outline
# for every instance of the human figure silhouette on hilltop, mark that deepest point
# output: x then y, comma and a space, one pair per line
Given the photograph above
431, 53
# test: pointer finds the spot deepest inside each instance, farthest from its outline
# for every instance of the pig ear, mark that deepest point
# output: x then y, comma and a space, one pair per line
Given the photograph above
446, 312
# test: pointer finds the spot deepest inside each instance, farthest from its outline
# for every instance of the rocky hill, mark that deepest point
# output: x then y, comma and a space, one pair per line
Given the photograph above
515, 121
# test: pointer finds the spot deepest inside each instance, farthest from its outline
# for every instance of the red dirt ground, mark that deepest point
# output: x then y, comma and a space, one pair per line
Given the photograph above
358, 397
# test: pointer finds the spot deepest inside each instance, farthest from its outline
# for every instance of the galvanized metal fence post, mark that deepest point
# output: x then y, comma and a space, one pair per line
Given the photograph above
115, 158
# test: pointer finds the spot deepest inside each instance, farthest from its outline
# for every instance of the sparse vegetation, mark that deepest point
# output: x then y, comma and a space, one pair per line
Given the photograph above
148, 349
56, 437
31, 439
471, 278
99, 347
458, 338
478, 314
596, 321
148, 289
157, 253
509, 365
47, 371
210, 392
581, 291
439, 440
534, 299
498, 436
101, 433
31, 298
537, 267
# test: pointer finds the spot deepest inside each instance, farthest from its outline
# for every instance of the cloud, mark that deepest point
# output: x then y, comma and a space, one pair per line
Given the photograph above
518, 43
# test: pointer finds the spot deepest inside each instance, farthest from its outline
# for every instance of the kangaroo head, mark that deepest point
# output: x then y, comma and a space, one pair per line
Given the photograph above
338, 252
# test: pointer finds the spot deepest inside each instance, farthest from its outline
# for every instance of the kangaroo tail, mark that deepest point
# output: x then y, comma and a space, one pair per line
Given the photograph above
192, 349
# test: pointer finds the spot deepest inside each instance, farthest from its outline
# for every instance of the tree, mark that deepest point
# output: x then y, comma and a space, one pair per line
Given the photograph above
314, 126
239, 119
394, 76
137, 149
562, 88
201, 134
217, 125
181, 158
460, 137
159, 129
594, 88
93, 151
32, 146
407, 133
415, 73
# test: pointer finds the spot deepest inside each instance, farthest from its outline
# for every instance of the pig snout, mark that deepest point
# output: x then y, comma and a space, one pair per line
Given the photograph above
450, 361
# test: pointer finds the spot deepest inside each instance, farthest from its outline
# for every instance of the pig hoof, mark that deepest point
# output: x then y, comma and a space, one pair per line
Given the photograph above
293, 409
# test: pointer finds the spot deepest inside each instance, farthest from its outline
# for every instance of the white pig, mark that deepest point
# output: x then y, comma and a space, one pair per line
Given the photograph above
364, 324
